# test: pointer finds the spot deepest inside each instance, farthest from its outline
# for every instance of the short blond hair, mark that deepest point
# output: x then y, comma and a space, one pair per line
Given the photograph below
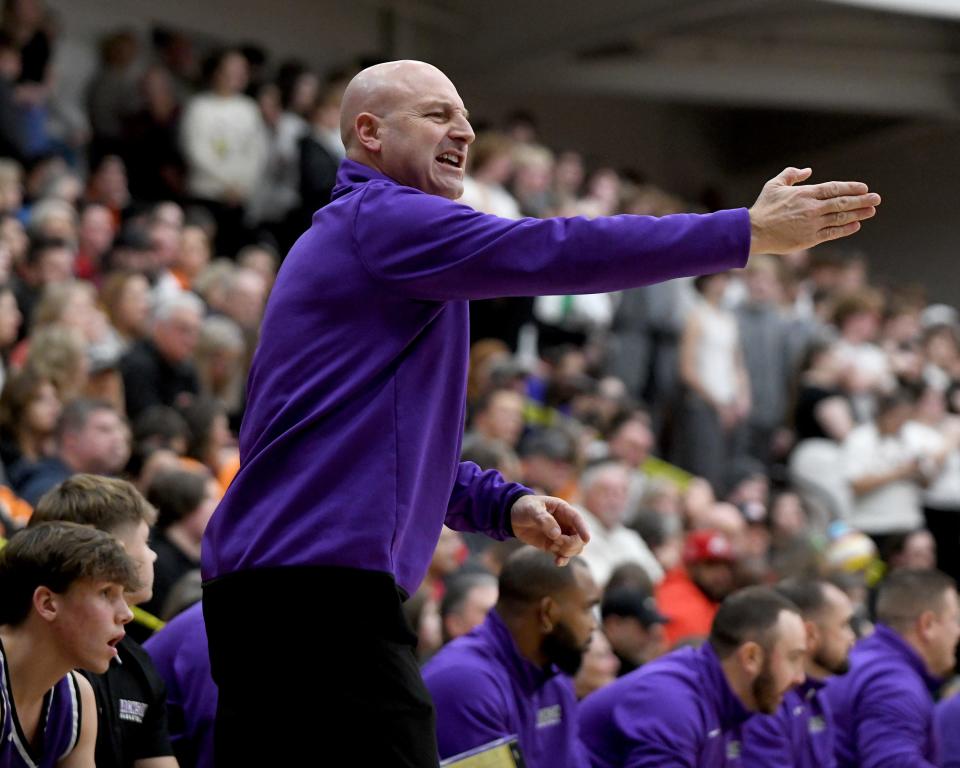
106, 503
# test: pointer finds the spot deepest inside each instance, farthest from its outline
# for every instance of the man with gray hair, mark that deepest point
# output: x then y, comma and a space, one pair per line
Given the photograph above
160, 370
604, 491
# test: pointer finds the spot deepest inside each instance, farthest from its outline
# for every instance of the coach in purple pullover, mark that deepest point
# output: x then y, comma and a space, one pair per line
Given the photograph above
179, 652
801, 732
350, 441
948, 730
883, 707
509, 676
687, 709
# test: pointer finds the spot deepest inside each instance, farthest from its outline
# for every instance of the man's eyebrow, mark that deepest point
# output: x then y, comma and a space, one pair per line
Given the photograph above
447, 105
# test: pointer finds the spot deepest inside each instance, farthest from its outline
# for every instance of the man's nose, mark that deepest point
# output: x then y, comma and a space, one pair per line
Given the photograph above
125, 615
462, 130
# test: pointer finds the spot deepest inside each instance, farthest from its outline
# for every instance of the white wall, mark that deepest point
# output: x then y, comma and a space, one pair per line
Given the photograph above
916, 234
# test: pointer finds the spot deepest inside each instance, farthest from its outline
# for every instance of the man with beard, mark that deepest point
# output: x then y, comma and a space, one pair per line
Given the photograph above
883, 707
504, 678
687, 709
690, 594
801, 733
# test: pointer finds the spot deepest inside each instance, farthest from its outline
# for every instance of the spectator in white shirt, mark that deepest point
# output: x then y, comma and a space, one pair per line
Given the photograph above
886, 467
225, 145
604, 489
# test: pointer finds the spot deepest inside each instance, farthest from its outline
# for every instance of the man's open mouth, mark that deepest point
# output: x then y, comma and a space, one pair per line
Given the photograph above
449, 158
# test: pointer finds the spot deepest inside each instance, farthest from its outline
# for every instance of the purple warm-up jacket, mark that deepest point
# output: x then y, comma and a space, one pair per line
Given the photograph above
678, 711
483, 689
948, 730
799, 734
883, 706
179, 652
350, 443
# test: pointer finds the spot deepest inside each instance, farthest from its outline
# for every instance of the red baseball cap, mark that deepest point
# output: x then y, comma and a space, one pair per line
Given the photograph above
706, 546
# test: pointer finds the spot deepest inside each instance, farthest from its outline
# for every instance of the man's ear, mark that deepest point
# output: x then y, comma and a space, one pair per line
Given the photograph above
549, 613
46, 603
925, 622
367, 129
750, 655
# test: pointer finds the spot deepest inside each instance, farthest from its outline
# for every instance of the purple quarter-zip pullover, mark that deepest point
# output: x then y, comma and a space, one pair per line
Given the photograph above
483, 689
883, 707
800, 733
350, 442
948, 730
677, 711
180, 654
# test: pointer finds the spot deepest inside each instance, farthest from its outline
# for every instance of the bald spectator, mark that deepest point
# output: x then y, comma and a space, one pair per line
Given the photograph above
91, 438
160, 370
604, 489
468, 599
883, 706
690, 594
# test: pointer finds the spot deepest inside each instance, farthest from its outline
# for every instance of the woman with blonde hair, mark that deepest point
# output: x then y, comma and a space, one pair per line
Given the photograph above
59, 355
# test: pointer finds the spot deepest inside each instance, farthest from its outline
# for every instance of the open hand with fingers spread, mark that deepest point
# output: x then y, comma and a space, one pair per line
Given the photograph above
549, 524
788, 218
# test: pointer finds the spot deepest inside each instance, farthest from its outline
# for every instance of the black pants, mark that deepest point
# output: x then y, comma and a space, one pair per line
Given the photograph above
315, 667
944, 524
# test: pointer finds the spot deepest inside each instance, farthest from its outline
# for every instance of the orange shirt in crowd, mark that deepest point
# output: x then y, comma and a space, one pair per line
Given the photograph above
690, 611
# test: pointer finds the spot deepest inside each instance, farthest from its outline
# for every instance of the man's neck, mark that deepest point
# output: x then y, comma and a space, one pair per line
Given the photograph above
738, 682
525, 635
33, 664
911, 639
815, 671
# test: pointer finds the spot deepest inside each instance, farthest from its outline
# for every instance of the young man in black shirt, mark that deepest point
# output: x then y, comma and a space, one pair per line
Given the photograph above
131, 698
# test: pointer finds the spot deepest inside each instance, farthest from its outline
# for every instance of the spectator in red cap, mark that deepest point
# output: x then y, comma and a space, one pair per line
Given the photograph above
690, 594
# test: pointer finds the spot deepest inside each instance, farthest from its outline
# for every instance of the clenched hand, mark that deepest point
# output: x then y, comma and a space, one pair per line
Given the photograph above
549, 524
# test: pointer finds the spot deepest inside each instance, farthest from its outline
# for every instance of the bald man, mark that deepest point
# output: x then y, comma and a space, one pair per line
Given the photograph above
351, 438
